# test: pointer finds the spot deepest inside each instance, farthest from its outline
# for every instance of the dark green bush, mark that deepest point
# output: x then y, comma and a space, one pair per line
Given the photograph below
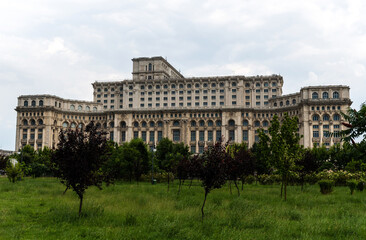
352, 184
326, 186
361, 185
250, 179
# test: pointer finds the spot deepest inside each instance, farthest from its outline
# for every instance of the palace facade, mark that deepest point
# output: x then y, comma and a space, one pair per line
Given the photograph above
160, 102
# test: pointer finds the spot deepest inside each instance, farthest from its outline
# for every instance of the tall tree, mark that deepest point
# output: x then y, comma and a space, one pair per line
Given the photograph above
79, 159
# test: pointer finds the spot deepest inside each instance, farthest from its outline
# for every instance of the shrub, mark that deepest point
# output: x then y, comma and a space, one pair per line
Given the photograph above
352, 184
250, 179
326, 186
361, 185
14, 172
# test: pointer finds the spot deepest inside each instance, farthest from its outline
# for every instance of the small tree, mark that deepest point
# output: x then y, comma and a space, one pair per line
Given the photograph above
213, 171
4, 160
183, 170
79, 159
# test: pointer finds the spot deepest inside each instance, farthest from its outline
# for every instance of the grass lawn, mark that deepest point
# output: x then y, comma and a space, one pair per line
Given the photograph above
36, 209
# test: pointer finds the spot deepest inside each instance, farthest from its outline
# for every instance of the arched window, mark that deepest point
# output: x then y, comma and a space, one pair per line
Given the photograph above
149, 87
257, 124
123, 124
80, 108
94, 109
287, 102
98, 125
325, 117
173, 86
136, 124
181, 86
165, 86
111, 124
80, 126
257, 84
245, 123
72, 107
143, 124
293, 101
152, 124
213, 85
205, 85
210, 123
150, 67
73, 125
65, 125
40, 103
32, 122
315, 117
335, 95
33, 103
40, 122
218, 123
325, 95
231, 123
189, 86
25, 103
315, 95
104, 125
275, 104
87, 108
193, 123
197, 85
142, 87
25, 122
281, 103
202, 123
265, 123
176, 123
336, 117
160, 124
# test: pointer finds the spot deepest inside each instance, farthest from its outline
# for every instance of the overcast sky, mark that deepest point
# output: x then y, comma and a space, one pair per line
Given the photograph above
61, 47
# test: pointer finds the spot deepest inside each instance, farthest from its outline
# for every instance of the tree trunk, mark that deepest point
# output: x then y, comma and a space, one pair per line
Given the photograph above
237, 188
203, 205
286, 187
168, 181
65, 191
81, 204
180, 184
281, 187
190, 185
242, 184
230, 187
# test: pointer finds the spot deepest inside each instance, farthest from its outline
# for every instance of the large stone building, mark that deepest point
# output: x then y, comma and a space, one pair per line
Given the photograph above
160, 102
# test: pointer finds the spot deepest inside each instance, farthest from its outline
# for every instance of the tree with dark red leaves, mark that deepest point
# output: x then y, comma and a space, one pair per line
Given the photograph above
79, 159
183, 168
213, 170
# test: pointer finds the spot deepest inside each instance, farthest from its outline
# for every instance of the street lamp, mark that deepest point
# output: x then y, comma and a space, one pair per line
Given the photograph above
152, 165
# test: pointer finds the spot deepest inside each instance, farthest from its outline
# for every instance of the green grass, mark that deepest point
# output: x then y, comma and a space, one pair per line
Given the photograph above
36, 209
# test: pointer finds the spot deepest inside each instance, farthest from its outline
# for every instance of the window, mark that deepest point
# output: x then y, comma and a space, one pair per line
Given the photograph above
209, 135
193, 149
315, 126
245, 123
202, 123
160, 135
143, 136
274, 90
233, 102
245, 135
265, 124
336, 126
176, 135
40, 103
336, 117
176, 124
210, 123
231, 123
218, 135
316, 117
315, 134
335, 95
218, 123
123, 136
315, 95
325, 95
231, 135
193, 136
135, 134
326, 117
326, 134
201, 135
257, 124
